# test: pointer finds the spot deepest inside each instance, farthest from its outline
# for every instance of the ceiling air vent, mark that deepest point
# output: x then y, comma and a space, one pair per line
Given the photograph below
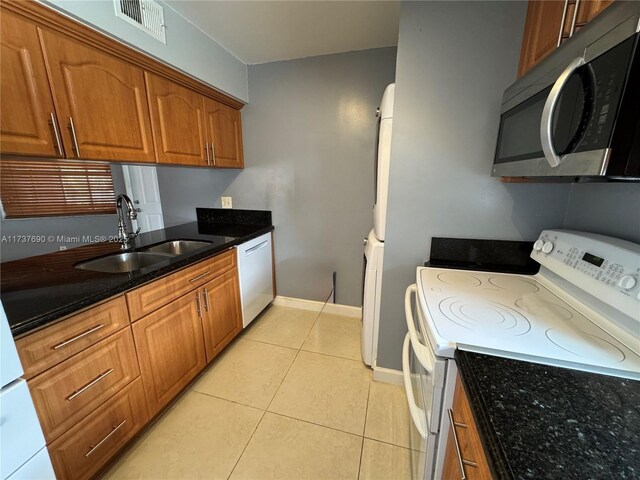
147, 15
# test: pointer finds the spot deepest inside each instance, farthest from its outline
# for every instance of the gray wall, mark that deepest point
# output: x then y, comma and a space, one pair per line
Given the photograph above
182, 189
87, 225
606, 208
454, 61
187, 48
309, 135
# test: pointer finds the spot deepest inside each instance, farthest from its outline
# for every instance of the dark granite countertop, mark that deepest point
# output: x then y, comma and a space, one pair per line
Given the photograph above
36, 291
542, 422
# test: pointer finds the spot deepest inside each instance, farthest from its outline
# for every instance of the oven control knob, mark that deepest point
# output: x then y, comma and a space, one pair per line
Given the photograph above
627, 282
538, 245
547, 247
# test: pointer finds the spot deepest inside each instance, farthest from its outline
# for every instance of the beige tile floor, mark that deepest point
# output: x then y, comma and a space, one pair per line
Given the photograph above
289, 399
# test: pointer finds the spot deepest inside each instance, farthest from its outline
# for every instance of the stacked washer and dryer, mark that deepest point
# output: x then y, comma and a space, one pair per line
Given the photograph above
374, 243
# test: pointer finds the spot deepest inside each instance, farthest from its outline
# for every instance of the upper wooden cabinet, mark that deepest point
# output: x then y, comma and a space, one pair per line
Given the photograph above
549, 23
27, 115
100, 101
224, 133
68, 91
178, 122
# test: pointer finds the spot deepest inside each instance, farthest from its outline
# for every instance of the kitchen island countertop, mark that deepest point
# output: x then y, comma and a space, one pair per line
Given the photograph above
538, 421
37, 291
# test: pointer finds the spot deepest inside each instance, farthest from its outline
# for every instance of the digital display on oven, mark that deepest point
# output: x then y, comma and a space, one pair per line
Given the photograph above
592, 259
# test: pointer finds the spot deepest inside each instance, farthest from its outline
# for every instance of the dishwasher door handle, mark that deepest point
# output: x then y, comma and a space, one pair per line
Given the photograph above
256, 247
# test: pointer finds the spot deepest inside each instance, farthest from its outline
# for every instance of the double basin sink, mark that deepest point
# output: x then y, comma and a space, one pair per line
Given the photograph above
126, 262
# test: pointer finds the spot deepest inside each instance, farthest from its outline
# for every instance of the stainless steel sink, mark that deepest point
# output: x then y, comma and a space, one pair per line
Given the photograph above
122, 262
177, 247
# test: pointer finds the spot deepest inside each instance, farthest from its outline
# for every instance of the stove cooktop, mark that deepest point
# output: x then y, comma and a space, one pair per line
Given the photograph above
522, 317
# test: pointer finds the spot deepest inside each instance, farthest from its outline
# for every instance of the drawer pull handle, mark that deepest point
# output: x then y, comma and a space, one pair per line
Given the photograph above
455, 441
90, 384
77, 337
200, 276
206, 299
97, 445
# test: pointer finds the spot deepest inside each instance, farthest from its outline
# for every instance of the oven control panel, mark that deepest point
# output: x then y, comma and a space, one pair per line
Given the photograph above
605, 267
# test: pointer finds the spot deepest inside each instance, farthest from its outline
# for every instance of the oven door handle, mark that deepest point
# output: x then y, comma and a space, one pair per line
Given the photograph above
546, 123
421, 350
417, 414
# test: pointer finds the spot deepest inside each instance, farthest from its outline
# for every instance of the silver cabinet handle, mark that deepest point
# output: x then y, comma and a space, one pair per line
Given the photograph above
256, 247
198, 307
546, 123
213, 153
56, 134
90, 384
455, 441
575, 17
200, 276
74, 137
206, 148
206, 299
564, 17
97, 445
77, 337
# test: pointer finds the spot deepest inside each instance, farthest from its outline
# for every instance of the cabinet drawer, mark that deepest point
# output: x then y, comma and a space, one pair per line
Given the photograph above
52, 345
154, 295
84, 449
68, 392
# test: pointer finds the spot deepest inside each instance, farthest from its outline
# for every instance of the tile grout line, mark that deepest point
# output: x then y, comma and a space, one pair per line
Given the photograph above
315, 424
246, 445
364, 427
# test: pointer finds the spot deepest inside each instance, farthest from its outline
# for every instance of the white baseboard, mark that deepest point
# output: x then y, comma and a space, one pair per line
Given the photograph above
315, 306
387, 375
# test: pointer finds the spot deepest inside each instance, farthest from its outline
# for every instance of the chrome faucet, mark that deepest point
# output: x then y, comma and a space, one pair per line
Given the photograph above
125, 237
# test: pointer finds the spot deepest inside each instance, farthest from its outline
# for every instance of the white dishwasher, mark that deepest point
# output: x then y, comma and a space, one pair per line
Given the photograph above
255, 269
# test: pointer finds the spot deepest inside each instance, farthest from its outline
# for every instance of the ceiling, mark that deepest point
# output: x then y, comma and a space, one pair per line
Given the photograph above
269, 31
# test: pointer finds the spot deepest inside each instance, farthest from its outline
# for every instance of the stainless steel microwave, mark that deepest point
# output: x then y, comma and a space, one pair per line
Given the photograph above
577, 113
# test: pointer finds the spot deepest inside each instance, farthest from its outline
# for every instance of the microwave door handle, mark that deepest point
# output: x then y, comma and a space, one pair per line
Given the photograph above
546, 135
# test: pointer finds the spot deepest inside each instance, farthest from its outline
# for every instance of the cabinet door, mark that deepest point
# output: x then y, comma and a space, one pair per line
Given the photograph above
26, 110
221, 312
170, 350
541, 31
178, 122
224, 132
100, 100
589, 9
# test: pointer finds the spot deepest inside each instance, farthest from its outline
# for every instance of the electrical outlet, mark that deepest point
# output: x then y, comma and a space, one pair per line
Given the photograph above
226, 202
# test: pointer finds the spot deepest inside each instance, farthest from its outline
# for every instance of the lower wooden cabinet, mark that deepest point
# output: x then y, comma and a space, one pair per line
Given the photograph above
87, 447
96, 380
464, 456
66, 393
170, 349
221, 312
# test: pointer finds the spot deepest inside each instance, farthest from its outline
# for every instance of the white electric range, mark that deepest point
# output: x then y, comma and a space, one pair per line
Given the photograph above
581, 311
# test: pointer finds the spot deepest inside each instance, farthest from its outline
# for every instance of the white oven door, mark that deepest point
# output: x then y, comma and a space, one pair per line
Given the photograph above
424, 380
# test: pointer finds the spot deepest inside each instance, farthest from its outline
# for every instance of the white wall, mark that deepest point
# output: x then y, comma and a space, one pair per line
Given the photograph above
454, 61
187, 48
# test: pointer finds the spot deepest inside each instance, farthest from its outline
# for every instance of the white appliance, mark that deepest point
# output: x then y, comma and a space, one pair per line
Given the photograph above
581, 311
374, 243
383, 160
255, 271
23, 454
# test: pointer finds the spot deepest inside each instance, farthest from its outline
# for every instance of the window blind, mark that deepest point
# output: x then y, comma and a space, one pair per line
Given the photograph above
32, 188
